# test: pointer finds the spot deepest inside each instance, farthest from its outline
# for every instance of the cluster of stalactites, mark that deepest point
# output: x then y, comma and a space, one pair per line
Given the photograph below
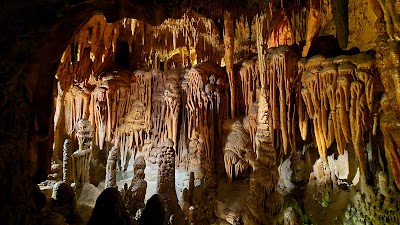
298, 23
206, 104
282, 34
291, 28
184, 37
280, 81
134, 124
338, 95
281, 77
95, 44
166, 103
120, 106
250, 77
90, 48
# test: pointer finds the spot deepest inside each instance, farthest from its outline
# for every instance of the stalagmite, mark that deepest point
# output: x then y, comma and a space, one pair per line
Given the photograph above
111, 168
166, 183
67, 163
82, 157
229, 42
264, 178
136, 193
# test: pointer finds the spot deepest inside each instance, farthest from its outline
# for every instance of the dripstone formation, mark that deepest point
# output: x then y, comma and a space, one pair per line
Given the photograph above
200, 112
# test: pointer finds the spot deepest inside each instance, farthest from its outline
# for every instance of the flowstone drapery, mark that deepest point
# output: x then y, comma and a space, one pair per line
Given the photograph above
238, 151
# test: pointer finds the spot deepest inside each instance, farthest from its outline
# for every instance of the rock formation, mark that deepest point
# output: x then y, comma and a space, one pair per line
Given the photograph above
81, 158
64, 202
67, 163
238, 151
111, 168
166, 185
109, 209
101, 84
135, 194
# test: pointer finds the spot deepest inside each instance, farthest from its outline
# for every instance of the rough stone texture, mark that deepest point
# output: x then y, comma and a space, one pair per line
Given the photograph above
111, 177
166, 184
64, 201
109, 209
154, 213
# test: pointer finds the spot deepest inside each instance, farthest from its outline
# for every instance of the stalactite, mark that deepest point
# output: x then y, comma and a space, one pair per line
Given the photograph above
298, 23
76, 107
250, 122
303, 115
314, 24
280, 77
229, 43
166, 101
250, 77
358, 118
261, 28
92, 46
130, 134
99, 112
282, 34
346, 75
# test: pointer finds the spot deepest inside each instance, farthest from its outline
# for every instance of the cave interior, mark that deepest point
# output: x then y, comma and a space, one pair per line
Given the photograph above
180, 112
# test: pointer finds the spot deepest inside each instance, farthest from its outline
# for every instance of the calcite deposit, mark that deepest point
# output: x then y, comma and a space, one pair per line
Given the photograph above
200, 112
